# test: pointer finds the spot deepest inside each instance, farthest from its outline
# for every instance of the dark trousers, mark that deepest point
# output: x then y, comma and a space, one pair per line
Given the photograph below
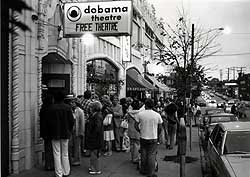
148, 156
48, 151
95, 160
118, 138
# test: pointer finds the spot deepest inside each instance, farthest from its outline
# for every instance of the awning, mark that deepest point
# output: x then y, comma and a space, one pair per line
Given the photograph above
135, 81
131, 84
162, 87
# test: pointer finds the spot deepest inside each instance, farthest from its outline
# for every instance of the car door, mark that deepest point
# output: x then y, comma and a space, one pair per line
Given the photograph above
210, 148
216, 152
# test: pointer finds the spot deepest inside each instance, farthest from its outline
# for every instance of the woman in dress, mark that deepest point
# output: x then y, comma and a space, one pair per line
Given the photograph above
107, 113
94, 137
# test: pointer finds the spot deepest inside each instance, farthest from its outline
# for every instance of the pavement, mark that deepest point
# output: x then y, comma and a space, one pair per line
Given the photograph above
119, 165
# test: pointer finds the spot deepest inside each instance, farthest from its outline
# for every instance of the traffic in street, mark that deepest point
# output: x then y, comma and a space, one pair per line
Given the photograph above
224, 134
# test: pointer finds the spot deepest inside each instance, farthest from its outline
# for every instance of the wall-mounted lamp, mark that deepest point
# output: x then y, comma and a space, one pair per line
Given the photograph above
60, 32
34, 17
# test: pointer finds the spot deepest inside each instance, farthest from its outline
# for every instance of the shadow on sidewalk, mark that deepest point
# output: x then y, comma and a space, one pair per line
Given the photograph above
176, 159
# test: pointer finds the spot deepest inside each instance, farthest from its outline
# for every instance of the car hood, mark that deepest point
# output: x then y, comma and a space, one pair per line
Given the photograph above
240, 164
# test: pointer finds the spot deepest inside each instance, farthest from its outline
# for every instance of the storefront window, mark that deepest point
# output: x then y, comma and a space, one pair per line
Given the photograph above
102, 77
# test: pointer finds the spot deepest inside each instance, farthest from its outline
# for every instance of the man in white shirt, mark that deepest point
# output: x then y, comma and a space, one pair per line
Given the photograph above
150, 123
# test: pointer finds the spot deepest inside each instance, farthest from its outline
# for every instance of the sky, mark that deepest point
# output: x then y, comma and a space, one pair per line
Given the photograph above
229, 14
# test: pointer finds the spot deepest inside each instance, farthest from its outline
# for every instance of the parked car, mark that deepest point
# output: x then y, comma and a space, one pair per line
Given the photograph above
230, 103
208, 112
210, 123
220, 104
212, 103
202, 103
229, 150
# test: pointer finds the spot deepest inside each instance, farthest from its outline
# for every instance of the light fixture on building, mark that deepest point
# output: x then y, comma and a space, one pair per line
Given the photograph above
60, 32
34, 17
88, 39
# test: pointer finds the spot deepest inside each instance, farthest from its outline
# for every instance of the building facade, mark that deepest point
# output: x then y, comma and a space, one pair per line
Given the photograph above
42, 60
244, 86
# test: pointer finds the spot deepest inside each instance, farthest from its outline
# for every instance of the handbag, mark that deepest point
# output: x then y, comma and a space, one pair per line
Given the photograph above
124, 124
108, 119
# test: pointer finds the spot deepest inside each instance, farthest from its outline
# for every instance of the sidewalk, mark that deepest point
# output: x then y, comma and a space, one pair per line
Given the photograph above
119, 165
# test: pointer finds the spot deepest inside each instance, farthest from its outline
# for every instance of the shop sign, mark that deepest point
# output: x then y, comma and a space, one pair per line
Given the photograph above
99, 18
126, 48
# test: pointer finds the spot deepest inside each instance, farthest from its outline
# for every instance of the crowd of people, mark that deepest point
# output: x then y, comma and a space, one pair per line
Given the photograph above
96, 126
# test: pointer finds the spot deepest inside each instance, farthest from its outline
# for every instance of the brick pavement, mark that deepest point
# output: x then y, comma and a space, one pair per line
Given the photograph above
118, 165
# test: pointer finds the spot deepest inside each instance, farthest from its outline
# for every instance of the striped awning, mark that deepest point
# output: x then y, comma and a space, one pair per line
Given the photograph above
135, 81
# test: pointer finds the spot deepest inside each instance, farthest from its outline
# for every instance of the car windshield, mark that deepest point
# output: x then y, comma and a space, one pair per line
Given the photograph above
237, 142
222, 119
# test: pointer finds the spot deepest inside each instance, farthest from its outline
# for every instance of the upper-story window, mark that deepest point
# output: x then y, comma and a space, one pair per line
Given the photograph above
149, 31
135, 40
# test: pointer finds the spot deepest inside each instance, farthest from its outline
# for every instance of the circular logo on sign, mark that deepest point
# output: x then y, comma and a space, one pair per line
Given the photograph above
74, 13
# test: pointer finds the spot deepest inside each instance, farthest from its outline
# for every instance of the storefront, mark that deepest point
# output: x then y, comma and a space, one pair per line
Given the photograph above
162, 89
137, 86
56, 73
102, 77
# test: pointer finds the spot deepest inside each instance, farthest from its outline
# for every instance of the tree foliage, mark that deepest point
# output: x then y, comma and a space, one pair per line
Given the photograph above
178, 51
17, 6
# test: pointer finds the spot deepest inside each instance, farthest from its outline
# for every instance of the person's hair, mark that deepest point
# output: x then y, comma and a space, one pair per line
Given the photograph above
171, 108
105, 100
77, 102
87, 94
67, 101
129, 100
123, 101
59, 96
149, 103
135, 104
113, 97
96, 106
79, 96
48, 99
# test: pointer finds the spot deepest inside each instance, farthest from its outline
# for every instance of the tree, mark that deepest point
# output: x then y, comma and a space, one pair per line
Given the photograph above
178, 51
16, 6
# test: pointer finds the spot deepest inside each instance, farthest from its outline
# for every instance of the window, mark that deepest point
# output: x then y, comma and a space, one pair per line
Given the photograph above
102, 77
135, 40
213, 134
56, 83
218, 140
237, 142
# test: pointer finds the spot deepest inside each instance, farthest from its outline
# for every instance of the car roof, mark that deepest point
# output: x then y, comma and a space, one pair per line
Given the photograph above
209, 109
235, 126
221, 114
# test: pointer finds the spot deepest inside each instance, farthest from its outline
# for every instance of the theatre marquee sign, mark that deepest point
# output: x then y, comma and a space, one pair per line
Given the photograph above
100, 18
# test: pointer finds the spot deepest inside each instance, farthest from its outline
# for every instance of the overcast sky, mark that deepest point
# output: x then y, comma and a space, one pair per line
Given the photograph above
229, 14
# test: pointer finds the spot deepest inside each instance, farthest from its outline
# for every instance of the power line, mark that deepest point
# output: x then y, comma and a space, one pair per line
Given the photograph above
232, 54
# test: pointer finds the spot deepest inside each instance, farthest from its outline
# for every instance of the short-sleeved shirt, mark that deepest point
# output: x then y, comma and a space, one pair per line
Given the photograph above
149, 121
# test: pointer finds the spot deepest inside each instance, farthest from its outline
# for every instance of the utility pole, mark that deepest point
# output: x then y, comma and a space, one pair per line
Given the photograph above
192, 70
221, 74
228, 69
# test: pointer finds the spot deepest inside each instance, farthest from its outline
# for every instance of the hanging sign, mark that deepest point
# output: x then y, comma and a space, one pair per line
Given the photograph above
99, 18
126, 48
